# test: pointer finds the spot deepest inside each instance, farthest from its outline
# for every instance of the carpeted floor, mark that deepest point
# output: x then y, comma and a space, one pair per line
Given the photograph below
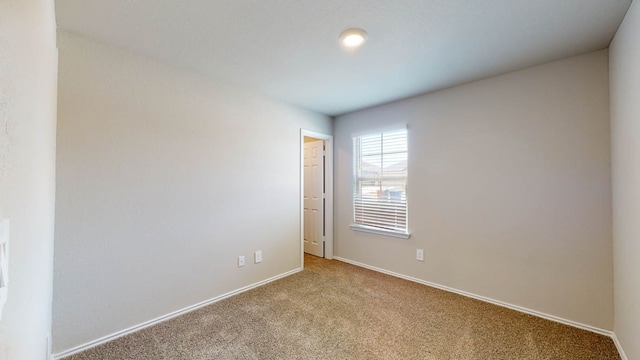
334, 310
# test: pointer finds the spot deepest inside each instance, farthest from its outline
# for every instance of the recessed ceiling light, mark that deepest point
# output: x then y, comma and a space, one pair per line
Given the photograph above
353, 38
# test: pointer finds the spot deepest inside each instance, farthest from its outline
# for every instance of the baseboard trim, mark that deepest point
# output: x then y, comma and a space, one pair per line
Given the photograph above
486, 299
623, 355
160, 319
188, 309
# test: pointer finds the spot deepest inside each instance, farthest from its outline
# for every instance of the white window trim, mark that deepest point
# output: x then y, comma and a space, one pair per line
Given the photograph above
378, 231
371, 229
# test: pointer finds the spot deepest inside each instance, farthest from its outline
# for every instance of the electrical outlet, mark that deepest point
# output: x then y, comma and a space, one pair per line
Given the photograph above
419, 254
241, 261
258, 256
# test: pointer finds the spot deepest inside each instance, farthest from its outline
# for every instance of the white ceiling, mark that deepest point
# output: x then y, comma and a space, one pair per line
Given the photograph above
288, 49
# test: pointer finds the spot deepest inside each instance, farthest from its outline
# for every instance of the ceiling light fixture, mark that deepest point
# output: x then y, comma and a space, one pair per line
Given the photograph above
353, 38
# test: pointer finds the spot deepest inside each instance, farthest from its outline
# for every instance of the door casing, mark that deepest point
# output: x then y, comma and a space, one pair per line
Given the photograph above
328, 180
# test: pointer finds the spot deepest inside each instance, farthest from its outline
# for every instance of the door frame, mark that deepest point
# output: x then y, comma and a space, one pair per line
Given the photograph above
328, 203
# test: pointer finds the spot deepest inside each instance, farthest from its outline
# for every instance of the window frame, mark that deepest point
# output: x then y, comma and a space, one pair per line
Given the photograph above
357, 200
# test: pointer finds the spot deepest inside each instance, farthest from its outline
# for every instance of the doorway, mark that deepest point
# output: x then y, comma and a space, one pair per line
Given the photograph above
316, 194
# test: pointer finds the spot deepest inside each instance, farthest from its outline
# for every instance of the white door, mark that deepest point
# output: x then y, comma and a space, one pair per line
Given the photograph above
313, 199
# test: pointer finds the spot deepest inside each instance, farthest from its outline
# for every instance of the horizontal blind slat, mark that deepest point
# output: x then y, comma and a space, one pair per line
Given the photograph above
380, 178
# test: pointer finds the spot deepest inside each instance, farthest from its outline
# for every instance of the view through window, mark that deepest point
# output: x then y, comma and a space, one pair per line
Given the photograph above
380, 181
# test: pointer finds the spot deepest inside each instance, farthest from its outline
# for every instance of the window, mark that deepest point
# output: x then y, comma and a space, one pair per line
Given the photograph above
380, 183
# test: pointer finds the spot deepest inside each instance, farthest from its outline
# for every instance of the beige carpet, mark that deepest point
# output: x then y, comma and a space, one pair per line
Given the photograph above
334, 310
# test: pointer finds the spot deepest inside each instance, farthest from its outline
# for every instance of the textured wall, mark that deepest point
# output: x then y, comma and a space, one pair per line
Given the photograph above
28, 61
163, 180
509, 189
625, 136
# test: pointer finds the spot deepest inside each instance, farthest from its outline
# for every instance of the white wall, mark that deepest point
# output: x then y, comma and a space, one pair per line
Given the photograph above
509, 189
163, 180
625, 153
28, 62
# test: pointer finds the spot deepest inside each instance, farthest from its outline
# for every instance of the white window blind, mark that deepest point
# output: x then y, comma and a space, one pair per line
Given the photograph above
380, 181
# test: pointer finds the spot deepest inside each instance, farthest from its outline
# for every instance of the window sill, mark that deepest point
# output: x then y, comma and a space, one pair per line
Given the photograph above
377, 231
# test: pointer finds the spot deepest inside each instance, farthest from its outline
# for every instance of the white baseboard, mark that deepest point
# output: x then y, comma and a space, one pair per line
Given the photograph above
623, 355
160, 319
486, 299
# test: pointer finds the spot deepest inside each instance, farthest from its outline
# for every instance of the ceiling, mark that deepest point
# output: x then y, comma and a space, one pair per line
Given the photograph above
289, 50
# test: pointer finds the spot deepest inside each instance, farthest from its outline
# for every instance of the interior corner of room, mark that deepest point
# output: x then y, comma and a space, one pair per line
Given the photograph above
154, 179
